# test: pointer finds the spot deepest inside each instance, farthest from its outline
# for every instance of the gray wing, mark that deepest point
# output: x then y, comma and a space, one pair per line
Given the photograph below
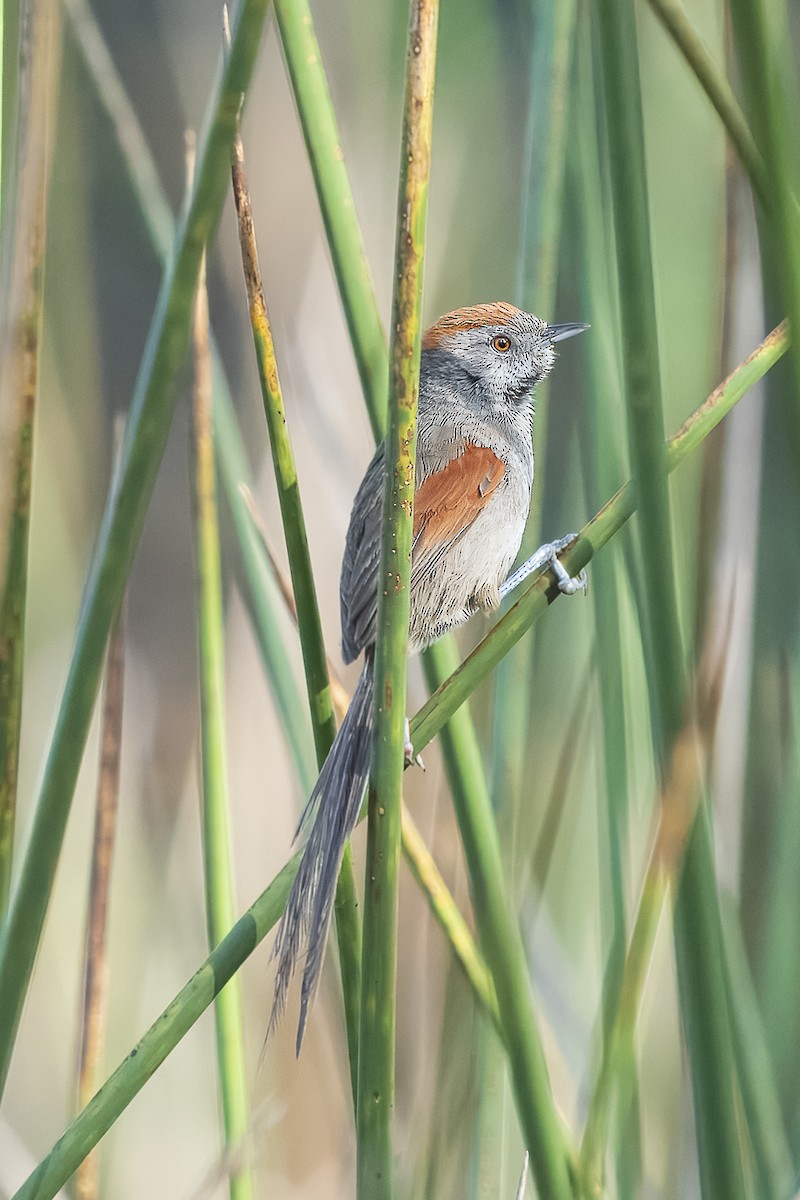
358, 586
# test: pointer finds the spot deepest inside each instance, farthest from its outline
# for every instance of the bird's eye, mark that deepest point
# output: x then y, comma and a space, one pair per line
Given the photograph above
501, 343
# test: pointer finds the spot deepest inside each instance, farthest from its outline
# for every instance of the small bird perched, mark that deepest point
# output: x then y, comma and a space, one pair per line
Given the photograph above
474, 475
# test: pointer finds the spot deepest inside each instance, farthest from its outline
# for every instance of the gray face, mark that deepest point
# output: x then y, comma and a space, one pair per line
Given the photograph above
496, 363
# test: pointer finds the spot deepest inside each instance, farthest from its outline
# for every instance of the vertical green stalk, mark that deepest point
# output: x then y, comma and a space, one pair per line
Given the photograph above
95, 970
323, 721
543, 188
11, 109
697, 927
148, 427
768, 76
137, 158
2, 98
217, 860
545, 151
681, 794
502, 946
321, 133
12, 629
601, 451
540, 234
376, 1061
22, 315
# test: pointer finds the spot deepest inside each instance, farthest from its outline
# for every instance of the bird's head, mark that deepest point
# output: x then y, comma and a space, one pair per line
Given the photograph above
495, 351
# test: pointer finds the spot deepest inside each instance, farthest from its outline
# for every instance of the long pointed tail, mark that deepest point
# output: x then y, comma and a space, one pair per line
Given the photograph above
334, 806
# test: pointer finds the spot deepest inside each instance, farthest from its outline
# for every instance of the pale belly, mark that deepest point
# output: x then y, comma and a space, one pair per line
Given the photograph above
480, 559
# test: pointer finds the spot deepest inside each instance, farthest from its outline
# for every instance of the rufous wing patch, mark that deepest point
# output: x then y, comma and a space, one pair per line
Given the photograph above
476, 316
446, 503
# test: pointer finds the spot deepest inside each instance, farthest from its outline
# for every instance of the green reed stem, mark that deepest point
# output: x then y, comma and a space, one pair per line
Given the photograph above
698, 934
543, 204
135, 151
537, 276
12, 639
348, 927
376, 1061
502, 945
545, 150
763, 52
772, 1159
194, 998
217, 857
601, 450
149, 421
24, 238
258, 585
321, 133
712, 80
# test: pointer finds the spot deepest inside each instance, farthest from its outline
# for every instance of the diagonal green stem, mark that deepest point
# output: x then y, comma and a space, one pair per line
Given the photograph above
149, 422
321, 133
194, 998
260, 591
423, 867
323, 722
376, 1059
161, 1038
713, 82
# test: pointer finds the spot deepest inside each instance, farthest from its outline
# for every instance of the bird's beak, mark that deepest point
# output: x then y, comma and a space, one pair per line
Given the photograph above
559, 333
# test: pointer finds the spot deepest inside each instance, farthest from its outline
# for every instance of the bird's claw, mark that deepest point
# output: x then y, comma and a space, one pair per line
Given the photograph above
412, 759
568, 584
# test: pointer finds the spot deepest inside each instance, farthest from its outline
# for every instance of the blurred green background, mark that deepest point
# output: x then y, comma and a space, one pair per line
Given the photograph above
556, 742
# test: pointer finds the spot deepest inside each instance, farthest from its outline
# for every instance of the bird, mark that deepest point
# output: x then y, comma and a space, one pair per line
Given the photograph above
479, 366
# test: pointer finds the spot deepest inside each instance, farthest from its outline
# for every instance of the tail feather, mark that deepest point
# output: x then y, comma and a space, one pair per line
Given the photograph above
331, 814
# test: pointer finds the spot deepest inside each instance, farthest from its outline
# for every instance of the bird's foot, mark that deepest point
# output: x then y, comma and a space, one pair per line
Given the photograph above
411, 757
547, 556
